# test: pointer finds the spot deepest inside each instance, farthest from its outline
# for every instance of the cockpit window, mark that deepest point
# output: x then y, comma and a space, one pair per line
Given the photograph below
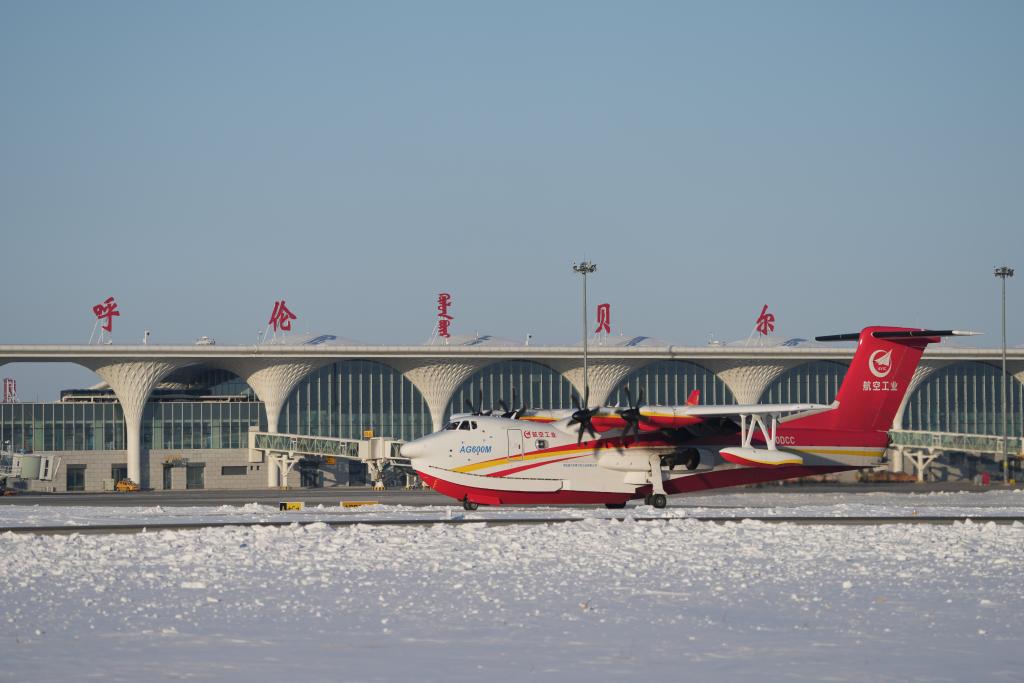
452, 425
464, 425
472, 425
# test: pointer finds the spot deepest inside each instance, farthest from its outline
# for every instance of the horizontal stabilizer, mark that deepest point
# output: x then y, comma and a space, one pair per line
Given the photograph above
759, 457
896, 334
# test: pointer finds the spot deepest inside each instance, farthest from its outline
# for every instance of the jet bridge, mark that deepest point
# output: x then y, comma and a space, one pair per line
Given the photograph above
26, 466
380, 455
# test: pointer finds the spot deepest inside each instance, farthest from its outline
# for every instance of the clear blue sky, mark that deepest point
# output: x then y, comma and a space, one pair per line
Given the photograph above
847, 163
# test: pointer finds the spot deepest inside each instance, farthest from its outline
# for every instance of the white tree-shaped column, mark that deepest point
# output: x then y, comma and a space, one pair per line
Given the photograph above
924, 370
604, 375
273, 381
747, 380
132, 382
437, 379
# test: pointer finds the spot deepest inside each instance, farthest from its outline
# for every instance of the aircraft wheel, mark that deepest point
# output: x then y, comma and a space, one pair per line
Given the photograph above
467, 504
694, 461
647, 499
615, 506
659, 500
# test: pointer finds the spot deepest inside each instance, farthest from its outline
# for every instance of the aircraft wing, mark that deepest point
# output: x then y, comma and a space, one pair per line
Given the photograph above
753, 409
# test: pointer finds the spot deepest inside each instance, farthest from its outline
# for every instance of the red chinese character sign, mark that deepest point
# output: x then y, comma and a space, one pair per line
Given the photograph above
765, 322
105, 313
604, 319
444, 319
280, 319
10, 390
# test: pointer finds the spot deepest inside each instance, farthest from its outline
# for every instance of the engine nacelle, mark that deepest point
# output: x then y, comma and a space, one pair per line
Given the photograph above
686, 457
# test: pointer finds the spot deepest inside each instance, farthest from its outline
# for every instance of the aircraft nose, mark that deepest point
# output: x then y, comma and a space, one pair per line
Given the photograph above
412, 449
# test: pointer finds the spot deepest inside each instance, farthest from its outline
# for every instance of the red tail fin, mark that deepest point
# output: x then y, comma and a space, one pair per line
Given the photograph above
694, 398
876, 382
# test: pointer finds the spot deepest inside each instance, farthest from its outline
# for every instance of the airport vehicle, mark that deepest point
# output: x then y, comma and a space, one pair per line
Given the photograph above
650, 452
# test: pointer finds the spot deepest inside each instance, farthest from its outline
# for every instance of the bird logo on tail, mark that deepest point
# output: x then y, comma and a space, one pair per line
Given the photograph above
880, 362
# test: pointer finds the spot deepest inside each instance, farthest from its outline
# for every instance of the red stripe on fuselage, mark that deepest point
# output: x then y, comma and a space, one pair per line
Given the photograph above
523, 468
591, 446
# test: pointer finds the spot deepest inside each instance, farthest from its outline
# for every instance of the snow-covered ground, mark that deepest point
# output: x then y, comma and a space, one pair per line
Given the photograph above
603, 599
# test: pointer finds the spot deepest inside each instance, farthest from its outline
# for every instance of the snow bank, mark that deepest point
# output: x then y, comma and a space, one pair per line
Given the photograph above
598, 600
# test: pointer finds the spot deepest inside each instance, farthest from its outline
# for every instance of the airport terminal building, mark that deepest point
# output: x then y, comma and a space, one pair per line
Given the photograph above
177, 417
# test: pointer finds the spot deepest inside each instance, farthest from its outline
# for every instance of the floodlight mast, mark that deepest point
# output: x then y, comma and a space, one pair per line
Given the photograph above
1002, 273
584, 269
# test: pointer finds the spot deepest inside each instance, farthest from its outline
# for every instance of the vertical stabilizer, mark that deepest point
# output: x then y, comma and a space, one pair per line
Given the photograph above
879, 376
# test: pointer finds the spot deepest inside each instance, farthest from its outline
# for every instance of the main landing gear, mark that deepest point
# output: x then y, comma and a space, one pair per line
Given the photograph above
467, 504
658, 500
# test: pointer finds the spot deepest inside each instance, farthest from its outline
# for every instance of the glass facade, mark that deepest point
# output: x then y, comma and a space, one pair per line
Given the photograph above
538, 385
200, 424
100, 426
342, 400
62, 426
345, 399
816, 382
965, 398
670, 383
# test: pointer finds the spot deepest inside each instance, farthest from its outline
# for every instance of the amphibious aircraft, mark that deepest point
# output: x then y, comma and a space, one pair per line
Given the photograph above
650, 452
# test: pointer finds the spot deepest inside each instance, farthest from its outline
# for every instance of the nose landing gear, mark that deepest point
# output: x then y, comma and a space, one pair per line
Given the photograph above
467, 504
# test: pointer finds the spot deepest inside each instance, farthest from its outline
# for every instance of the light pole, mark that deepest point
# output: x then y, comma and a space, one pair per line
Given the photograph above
1002, 273
583, 269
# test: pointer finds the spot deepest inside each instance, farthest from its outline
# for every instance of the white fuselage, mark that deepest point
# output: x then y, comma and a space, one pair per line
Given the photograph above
507, 454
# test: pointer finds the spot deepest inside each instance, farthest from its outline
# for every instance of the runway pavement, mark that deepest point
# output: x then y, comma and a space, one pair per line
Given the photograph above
417, 497
328, 496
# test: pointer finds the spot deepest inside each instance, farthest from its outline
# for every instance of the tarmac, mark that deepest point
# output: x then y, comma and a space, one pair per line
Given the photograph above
415, 497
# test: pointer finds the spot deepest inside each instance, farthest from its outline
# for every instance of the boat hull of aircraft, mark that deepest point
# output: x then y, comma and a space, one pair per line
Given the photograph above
512, 496
691, 483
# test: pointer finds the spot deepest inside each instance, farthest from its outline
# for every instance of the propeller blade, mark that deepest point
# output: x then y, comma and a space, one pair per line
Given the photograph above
504, 408
629, 396
579, 437
469, 404
641, 401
